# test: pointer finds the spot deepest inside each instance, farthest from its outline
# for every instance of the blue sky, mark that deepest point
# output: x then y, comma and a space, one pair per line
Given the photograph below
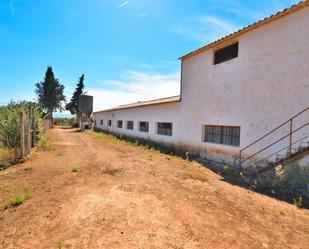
128, 50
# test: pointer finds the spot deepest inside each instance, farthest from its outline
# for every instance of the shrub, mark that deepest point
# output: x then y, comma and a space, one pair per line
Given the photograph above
230, 172
10, 123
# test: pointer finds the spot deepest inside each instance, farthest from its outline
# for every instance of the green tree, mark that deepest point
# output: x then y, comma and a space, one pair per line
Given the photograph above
73, 105
50, 94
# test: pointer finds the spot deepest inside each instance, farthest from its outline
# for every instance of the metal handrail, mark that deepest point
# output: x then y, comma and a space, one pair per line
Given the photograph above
299, 140
269, 133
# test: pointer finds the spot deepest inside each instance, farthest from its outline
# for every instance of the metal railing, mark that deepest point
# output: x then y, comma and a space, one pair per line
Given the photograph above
288, 136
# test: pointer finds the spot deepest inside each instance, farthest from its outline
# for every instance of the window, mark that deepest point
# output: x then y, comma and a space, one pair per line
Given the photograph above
226, 54
165, 129
95, 122
228, 135
101, 122
130, 125
119, 123
109, 122
144, 126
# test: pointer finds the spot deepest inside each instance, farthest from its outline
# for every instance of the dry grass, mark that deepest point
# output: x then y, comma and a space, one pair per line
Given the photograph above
106, 137
75, 169
196, 176
109, 170
7, 156
45, 144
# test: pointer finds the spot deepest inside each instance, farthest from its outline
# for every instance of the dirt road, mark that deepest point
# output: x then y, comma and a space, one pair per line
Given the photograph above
123, 196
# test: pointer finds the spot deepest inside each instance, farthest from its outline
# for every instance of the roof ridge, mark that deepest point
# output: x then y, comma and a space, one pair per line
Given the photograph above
151, 100
171, 99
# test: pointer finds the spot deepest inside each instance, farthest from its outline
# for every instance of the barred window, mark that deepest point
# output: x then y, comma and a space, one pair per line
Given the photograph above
130, 125
101, 122
144, 126
228, 135
119, 123
165, 129
109, 122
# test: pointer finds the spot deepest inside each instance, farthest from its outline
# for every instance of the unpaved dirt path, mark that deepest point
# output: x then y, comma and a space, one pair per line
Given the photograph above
141, 201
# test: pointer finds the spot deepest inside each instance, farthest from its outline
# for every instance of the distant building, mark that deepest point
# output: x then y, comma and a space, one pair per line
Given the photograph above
233, 92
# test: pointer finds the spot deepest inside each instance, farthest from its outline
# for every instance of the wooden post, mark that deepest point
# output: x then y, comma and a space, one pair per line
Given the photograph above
33, 129
22, 134
29, 132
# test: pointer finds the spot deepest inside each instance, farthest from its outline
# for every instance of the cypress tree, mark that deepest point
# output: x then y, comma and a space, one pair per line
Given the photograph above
73, 105
50, 94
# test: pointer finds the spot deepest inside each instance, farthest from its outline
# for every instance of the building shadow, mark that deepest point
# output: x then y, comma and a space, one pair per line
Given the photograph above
286, 194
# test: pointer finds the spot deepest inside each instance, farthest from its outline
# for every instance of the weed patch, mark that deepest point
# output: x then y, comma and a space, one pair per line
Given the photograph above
75, 168
298, 202
152, 171
109, 170
26, 170
106, 137
49, 189
19, 199
7, 155
45, 144
230, 172
59, 245
196, 176
6, 189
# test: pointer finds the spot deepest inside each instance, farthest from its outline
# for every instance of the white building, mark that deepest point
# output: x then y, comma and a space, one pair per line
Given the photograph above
233, 92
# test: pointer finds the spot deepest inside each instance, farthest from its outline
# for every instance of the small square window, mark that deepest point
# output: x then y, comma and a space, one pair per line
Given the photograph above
165, 129
144, 126
119, 123
130, 125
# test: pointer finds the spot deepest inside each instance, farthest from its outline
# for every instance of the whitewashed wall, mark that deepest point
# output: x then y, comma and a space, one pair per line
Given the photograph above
152, 114
266, 85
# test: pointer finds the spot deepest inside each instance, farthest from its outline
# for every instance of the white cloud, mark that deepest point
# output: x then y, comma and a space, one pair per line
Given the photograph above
135, 86
205, 29
123, 4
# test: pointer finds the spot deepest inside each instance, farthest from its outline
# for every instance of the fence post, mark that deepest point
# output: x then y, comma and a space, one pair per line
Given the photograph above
33, 129
28, 133
22, 134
